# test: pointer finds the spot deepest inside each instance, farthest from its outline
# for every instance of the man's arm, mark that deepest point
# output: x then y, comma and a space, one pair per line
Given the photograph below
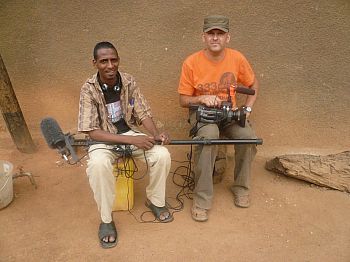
142, 142
207, 100
153, 130
251, 99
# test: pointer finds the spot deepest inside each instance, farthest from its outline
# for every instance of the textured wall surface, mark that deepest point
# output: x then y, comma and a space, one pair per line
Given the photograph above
299, 50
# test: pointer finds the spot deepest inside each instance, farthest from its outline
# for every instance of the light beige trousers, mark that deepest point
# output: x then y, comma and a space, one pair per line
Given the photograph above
102, 180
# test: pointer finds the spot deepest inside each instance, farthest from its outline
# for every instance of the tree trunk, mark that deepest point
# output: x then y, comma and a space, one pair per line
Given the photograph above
12, 114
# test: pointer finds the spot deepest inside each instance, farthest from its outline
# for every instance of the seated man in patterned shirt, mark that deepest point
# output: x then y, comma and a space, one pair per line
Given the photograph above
111, 105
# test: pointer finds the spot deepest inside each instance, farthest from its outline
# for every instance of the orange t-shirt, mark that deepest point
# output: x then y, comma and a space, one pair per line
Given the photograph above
201, 76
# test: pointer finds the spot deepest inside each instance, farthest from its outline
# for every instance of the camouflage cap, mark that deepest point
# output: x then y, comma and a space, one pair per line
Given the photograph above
216, 22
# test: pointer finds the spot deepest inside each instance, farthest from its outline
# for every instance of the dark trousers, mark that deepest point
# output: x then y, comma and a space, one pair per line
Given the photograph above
205, 155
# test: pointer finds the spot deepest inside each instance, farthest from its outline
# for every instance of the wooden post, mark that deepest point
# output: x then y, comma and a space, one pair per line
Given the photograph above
12, 113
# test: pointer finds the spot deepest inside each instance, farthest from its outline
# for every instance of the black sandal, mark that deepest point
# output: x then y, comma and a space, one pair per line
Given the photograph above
107, 230
160, 211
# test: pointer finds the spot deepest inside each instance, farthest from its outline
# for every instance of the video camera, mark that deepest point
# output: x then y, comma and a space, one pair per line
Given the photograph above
223, 115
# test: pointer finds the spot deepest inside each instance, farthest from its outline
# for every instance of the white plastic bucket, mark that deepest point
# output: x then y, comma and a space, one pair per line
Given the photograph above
6, 185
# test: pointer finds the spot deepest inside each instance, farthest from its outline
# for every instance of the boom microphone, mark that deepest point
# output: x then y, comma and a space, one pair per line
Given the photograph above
54, 136
55, 139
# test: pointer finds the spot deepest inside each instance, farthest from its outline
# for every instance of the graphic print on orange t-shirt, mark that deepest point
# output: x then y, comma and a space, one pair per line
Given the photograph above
223, 89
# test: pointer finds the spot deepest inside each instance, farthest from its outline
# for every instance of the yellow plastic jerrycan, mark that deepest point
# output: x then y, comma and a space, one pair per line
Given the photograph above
123, 170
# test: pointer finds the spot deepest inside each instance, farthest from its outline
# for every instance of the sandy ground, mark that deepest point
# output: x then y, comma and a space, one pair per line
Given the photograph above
289, 220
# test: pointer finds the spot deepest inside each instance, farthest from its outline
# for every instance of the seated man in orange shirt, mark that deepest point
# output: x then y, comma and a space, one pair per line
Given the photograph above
207, 78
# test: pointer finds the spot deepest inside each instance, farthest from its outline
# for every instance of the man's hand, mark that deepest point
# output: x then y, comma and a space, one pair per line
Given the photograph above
210, 100
164, 138
153, 130
143, 142
207, 100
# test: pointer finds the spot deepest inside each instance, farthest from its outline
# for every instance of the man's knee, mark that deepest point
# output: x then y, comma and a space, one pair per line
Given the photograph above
246, 150
248, 131
161, 154
99, 164
237, 132
210, 131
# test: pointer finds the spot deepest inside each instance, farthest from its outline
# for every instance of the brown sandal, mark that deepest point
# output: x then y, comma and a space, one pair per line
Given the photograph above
199, 214
241, 201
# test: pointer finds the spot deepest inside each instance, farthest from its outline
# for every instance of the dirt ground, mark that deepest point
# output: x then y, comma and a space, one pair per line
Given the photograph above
300, 53
289, 220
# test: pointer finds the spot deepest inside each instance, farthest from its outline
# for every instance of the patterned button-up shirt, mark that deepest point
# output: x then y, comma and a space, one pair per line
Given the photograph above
93, 113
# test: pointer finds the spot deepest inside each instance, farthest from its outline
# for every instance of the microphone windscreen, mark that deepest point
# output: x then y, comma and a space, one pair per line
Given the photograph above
245, 90
53, 133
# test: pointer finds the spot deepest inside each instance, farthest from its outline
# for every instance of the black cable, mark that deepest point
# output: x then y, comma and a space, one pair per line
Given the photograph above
129, 169
184, 181
186, 189
142, 220
195, 129
78, 161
